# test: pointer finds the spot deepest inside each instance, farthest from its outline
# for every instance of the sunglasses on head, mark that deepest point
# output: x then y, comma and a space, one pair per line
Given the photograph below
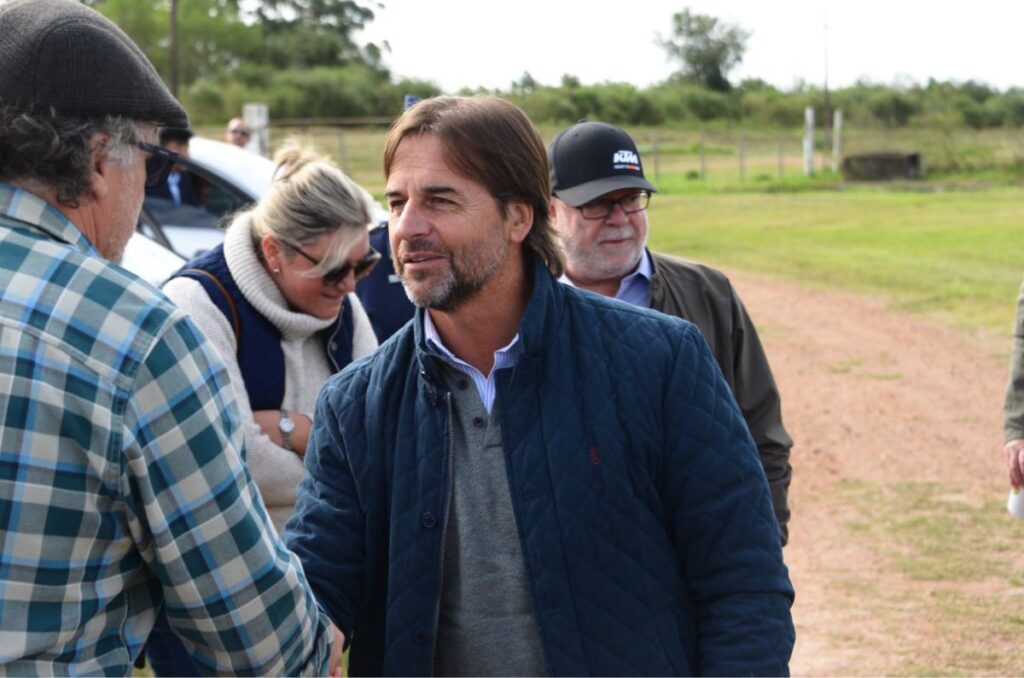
361, 268
159, 162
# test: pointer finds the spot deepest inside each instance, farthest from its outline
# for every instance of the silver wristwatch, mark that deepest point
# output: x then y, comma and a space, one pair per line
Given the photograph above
286, 426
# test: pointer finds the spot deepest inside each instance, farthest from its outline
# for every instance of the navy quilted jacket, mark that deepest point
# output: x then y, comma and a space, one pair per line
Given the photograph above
643, 512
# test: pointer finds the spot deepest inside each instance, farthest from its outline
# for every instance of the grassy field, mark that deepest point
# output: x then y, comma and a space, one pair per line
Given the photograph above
947, 246
956, 562
956, 254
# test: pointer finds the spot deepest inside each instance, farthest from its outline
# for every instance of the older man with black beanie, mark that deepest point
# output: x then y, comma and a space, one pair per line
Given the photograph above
123, 487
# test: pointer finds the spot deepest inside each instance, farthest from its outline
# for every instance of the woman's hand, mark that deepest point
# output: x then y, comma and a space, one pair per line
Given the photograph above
269, 423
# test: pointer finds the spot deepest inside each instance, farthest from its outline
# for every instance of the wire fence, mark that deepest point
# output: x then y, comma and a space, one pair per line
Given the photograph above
713, 155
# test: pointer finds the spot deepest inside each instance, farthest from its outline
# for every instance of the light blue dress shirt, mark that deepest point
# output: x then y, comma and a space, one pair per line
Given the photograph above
503, 357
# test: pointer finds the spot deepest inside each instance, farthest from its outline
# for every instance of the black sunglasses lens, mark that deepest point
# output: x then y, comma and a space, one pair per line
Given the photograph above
369, 262
332, 278
361, 269
157, 169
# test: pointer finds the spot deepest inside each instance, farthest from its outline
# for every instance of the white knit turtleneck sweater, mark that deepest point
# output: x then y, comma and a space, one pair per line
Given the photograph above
276, 470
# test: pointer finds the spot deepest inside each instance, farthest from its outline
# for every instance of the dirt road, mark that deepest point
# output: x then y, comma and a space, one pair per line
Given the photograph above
870, 394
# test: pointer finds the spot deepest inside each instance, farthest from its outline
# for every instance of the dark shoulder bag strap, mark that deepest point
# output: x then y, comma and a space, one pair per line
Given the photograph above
236, 322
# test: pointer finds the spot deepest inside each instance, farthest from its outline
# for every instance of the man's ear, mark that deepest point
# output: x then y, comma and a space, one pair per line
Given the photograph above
520, 220
101, 165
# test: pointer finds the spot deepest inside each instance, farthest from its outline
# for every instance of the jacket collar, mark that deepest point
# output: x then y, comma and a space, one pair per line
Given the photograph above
656, 291
537, 327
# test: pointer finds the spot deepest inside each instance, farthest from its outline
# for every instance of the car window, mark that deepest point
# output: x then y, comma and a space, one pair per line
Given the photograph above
189, 213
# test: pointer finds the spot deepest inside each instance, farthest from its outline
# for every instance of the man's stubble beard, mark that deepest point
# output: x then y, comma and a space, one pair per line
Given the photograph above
465, 277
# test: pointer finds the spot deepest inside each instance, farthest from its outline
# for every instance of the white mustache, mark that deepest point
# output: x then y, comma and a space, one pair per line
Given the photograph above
617, 233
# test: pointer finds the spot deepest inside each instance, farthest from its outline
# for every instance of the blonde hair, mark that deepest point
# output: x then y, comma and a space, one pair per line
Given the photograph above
310, 197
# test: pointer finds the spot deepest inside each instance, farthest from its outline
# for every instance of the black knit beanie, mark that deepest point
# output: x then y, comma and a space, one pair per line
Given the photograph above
60, 54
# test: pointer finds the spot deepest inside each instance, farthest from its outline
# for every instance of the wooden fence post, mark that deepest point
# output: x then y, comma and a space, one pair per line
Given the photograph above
703, 167
809, 141
343, 153
837, 140
743, 158
657, 159
782, 153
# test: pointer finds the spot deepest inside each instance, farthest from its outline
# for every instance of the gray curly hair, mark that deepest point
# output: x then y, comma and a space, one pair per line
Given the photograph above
57, 150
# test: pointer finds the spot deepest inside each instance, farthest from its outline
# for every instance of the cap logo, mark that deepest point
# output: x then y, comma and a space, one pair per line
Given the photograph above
627, 160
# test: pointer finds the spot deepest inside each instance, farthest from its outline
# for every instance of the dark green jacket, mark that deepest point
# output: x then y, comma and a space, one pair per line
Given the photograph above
1013, 407
705, 297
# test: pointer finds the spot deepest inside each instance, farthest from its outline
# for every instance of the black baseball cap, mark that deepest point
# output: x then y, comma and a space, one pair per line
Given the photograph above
591, 159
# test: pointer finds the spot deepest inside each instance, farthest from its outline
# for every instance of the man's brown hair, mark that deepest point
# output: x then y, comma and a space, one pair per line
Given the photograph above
490, 141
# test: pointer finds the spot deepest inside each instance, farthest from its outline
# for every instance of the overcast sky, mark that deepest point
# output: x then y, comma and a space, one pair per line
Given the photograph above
470, 43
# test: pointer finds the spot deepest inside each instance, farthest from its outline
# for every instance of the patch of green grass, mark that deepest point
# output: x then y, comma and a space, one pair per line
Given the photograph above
845, 366
939, 537
960, 560
883, 376
921, 671
955, 255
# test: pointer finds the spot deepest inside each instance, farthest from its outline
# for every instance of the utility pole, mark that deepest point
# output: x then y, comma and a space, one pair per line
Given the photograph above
174, 48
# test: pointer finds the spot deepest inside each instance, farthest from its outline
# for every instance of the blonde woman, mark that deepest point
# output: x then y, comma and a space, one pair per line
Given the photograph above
276, 301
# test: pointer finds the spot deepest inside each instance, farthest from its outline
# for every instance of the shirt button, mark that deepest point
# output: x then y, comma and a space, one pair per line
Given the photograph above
420, 636
478, 422
463, 384
334, 346
428, 520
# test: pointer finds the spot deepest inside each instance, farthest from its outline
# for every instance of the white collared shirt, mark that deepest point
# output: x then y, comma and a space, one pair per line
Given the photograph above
503, 357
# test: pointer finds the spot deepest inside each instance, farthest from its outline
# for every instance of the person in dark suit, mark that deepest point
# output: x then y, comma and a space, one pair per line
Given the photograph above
178, 188
382, 293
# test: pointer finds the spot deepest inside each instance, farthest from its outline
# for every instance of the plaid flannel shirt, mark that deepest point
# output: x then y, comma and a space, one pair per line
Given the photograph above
122, 476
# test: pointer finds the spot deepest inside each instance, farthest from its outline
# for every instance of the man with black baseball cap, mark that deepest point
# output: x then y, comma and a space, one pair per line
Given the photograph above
123, 487
599, 210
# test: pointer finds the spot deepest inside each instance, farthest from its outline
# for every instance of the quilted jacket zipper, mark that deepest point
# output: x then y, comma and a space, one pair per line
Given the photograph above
444, 531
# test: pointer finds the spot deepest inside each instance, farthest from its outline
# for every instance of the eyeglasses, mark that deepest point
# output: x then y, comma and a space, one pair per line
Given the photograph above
599, 209
158, 163
240, 132
361, 268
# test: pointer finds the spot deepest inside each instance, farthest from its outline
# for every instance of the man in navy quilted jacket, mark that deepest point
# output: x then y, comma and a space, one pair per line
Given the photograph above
530, 479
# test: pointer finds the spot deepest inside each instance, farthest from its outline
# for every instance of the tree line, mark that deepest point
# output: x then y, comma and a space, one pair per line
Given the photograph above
300, 57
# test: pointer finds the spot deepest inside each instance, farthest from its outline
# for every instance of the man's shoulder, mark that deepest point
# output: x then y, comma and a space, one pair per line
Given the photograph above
674, 268
379, 237
93, 309
597, 315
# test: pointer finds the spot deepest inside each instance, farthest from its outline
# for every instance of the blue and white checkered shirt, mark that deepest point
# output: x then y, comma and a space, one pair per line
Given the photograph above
122, 476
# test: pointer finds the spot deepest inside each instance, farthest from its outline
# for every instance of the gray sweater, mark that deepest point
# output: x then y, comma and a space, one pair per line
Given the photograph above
486, 625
